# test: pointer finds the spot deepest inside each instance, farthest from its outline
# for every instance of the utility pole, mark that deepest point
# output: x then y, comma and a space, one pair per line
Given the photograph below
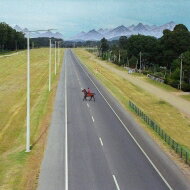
28, 91
58, 53
49, 64
55, 59
140, 62
28, 96
181, 68
119, 57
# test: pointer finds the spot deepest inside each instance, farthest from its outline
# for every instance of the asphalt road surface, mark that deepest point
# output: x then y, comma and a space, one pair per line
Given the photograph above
97, 145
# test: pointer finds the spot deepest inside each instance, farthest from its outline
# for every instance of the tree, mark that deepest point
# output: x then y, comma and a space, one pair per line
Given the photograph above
180, 28
104, 47
174, 43
123, 42
10, 38
147, 45
133, 62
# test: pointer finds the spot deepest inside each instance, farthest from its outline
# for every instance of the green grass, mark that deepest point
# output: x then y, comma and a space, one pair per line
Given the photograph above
186, 97
174, 123
15, 163
161, 85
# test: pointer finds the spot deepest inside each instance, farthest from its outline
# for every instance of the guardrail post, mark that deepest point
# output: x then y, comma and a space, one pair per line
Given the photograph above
186, 157
181, 152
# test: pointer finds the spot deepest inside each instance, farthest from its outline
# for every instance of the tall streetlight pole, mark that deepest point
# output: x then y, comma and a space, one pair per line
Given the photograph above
55, 59
140, 61
28, 96
28, 91
58, 52
49, 64
181, 68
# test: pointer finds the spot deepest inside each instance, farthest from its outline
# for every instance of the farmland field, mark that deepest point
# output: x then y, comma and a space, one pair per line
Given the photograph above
17, 168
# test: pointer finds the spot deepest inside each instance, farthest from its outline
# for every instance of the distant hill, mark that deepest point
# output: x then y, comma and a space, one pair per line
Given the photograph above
115, 33
47, 34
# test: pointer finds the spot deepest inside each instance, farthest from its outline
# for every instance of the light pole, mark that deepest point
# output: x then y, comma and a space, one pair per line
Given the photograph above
140, 61
28, 91
28, 96
55, 59
181, 68
49, 64
58, 52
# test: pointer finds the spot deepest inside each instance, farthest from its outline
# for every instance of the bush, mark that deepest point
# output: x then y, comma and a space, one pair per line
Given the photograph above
185, 87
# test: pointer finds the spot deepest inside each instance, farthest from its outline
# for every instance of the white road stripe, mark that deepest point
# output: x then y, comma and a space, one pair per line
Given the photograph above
101, 141
81, 88
115, 180
159, 173
92, 119
66, 141
87, 104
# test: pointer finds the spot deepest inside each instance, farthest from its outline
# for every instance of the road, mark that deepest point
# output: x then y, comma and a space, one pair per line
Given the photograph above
97, 145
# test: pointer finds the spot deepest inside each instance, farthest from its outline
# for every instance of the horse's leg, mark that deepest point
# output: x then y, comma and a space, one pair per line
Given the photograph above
94, 98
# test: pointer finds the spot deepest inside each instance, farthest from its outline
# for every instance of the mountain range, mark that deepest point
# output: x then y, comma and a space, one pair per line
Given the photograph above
47, 34
115, 33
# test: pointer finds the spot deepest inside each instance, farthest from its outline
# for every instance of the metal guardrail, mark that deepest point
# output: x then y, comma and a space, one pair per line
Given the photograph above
182, 151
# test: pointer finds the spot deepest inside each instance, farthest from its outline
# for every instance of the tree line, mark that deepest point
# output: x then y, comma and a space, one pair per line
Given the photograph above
10, 39
167, 57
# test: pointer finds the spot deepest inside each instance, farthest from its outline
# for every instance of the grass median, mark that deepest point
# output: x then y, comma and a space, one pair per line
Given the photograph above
18, 169
174, 123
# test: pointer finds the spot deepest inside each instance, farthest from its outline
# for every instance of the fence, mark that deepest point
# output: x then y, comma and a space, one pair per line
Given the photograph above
182, 151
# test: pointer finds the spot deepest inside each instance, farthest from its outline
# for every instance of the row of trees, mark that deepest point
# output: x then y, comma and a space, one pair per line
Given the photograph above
10, 39
161, 57
44, 42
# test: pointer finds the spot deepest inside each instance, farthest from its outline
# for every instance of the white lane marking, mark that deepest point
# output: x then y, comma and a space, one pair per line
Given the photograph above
87, 104
159, 173
66, 141
92, 119
101, 141
115, 180
81, 88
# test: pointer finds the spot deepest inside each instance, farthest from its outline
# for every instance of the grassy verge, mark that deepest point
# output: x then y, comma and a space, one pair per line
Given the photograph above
161, 85
186, 97
19, 170
170, 120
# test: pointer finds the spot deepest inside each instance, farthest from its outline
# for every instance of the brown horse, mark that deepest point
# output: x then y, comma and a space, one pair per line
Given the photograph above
86, 94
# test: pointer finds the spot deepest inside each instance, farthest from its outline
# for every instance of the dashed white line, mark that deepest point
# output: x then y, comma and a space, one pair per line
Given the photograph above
92, 119
101, 141
115, 180
87, 104
81, 88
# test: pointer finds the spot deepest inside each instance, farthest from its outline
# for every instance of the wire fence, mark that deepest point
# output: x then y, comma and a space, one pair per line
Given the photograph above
182, 151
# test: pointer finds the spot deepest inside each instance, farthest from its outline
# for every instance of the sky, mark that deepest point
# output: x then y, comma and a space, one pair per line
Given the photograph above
73, 16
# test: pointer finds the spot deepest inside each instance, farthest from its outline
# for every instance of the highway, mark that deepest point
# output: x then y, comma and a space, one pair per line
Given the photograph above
98, 145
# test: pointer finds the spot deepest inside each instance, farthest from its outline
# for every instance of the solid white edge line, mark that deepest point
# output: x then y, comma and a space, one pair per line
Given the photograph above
101, 141
92, 119
162, 177
66, 142
115, 180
